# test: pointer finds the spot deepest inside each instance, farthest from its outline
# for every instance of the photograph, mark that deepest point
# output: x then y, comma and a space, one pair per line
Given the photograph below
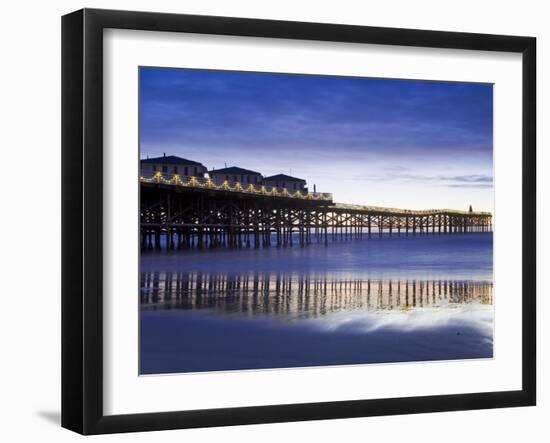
293, 220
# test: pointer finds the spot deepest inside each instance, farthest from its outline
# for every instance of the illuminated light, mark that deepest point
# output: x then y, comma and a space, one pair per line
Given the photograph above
195, 182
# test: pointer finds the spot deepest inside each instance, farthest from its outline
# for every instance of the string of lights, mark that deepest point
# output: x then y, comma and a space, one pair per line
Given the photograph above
207, 183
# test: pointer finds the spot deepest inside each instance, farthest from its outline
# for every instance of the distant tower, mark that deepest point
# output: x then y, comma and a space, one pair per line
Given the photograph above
471, 210
314, 187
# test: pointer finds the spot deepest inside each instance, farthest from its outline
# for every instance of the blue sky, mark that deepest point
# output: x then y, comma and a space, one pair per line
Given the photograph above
400, 143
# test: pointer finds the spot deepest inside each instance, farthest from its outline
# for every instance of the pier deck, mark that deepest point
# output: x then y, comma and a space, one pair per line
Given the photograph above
197, 213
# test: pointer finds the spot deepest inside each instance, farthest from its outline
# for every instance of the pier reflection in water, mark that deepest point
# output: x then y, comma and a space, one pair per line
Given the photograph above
297, 296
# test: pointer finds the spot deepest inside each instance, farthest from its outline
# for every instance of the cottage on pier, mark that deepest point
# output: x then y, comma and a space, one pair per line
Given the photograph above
234, 175
170, 165
281, 181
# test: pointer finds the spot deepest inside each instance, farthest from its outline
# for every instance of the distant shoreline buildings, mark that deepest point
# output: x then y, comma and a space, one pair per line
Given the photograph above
170, 165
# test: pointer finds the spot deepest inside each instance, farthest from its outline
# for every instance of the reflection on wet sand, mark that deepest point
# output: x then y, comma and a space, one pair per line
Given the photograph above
300, 296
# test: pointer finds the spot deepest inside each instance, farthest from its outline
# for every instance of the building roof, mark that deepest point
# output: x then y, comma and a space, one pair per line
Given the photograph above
234, 170
283, 177
171, 160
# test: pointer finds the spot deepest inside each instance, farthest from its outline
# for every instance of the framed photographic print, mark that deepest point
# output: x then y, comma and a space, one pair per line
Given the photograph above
269, 221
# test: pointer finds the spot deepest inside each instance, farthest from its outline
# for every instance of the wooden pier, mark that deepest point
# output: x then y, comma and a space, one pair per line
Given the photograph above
193, 213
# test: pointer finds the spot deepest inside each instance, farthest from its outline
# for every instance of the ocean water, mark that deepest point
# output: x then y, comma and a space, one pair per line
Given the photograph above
356, 301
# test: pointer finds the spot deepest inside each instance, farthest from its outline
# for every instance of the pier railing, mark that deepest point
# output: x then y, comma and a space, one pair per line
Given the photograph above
207, 183
413, 212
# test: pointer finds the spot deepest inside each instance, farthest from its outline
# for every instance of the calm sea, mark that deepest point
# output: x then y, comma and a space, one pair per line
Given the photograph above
378, 300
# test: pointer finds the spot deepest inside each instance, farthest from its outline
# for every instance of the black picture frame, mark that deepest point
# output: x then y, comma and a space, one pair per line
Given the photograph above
82, 215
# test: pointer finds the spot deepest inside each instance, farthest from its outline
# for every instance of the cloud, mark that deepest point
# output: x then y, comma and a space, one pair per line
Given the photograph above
472, 178
206, 108
470, 185
451, 181
473, 181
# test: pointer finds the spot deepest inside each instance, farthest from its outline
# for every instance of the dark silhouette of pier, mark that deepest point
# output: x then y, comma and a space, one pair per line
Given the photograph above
197, 213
